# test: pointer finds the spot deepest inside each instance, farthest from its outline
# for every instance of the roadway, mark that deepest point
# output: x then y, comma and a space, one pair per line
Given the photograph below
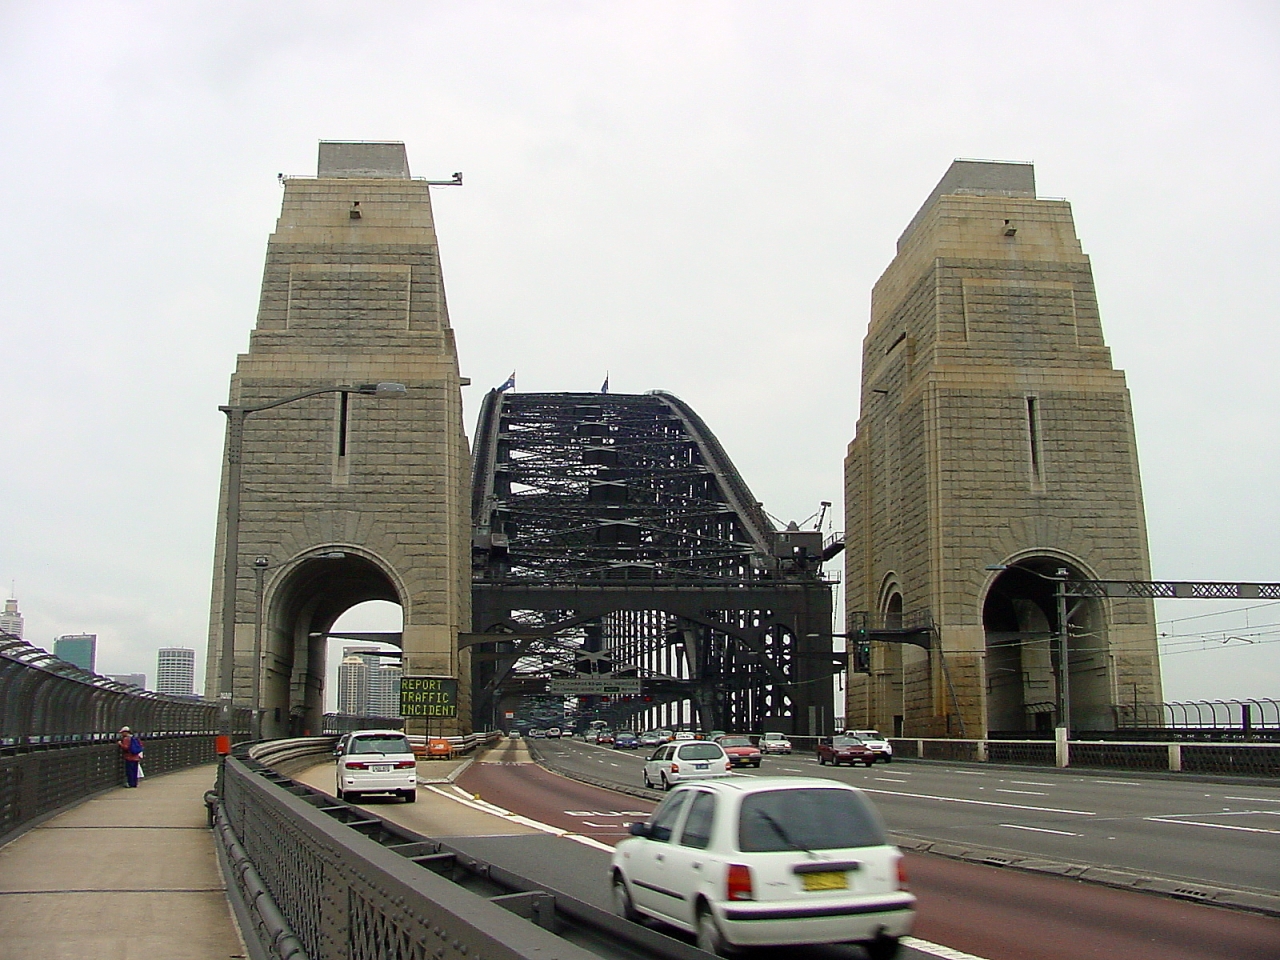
507, 810
1191, 833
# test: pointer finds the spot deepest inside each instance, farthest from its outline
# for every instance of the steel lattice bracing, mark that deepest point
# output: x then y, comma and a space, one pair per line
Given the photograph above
613, 534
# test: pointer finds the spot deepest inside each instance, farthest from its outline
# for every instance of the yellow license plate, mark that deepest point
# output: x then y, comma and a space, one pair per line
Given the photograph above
825, 881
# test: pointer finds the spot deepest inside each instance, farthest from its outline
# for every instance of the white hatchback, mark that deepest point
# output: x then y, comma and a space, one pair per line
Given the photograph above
377, 761
878, 744
766, 861
682, 760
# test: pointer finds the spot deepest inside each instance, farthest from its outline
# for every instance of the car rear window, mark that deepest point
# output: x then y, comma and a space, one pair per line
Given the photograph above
379, 745
807, 819
700, 751
846, 742
734, 742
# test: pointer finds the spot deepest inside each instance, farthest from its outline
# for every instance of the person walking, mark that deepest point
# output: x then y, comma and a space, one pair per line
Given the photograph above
131, 749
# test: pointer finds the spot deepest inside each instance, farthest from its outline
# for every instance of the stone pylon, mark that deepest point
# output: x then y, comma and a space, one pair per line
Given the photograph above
346, 496
994, 432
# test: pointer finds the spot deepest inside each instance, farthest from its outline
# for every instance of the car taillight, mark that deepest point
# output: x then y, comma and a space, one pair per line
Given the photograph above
675, 768
902, 874
356, 765
406, 764
738, 883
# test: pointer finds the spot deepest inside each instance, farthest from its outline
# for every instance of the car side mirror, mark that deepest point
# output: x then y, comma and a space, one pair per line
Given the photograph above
640, 829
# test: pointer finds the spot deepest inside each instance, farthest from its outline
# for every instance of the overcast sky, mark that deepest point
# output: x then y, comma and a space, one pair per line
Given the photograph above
690, 196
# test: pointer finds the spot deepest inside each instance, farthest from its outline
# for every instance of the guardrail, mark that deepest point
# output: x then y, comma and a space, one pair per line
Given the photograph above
314, 877
1232, 759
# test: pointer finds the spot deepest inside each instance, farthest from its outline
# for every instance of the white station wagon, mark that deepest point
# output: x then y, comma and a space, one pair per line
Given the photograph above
682, 760
766, 861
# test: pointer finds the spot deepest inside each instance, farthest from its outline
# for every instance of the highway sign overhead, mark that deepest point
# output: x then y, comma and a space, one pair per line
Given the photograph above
595, 686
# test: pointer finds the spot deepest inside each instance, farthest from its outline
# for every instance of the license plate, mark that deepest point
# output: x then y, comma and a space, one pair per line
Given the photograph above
825, 881
381, 768
701, 766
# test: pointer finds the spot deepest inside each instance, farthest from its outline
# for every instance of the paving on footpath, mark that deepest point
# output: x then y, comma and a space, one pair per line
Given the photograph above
128, 875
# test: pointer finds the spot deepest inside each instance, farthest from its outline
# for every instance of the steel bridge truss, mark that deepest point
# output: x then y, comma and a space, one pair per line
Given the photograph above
612, 535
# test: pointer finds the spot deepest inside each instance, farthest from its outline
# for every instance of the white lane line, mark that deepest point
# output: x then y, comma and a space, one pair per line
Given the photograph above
1216, 826
937, 949
981, 803
510, 817
1061, 833
1032, 783
889, 780
1119, 783
1029, 793
791, 770
967, 773
1253, 799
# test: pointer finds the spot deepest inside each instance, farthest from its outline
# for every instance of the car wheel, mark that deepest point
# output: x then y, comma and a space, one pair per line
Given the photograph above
757, 764
647, 782
709, 937
622, 904
341, 795
881, 948
351, 796
410, 796
822, 761
666, 784
888, 759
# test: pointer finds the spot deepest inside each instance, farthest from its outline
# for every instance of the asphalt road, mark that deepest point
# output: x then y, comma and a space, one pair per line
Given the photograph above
1188, 832
509, 811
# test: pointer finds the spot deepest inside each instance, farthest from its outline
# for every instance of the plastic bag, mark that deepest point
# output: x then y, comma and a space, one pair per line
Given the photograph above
140, 773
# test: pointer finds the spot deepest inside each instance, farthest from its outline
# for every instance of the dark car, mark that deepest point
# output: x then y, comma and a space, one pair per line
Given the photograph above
625, 740
848, 750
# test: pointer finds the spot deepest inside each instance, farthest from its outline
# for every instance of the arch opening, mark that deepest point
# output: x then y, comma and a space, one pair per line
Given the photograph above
301, 608
1022, 671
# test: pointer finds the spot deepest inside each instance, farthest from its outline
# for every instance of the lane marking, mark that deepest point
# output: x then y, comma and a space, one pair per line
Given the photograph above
1253, 799
1120, 783
1032, 783
1029, 793
981, 803
510, 817
937, 949
889, 780
1061, 833
1216, 826
967, 773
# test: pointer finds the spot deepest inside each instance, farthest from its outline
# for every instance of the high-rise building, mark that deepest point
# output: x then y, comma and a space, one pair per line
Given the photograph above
80, 649
176, 671
138, 680
367, 685
11, 619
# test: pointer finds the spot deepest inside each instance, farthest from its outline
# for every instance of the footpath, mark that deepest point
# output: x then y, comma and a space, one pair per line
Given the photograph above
128, 875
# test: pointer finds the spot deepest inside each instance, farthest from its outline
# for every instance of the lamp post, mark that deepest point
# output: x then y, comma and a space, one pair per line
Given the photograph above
236, 417
260, 565
1060, 578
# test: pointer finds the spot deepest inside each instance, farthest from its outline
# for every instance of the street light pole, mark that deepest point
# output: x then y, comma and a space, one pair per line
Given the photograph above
1064, 657
236, 417
260, 565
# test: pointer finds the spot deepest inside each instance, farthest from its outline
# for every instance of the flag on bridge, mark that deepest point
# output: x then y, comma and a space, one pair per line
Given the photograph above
604, 387
510, 384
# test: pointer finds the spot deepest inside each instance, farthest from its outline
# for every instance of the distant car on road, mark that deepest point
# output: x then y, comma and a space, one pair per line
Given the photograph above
604, 737
553, 733
625, 740
742, 752
882, 748
676, 762
537, 733
685, 735
775, 743
651, 738
845, 749
766, 861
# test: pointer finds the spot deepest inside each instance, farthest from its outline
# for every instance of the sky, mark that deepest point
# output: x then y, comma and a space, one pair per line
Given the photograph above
688, 196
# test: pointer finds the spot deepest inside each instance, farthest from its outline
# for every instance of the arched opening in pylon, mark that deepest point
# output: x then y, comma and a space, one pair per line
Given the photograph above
301, 608
1023, 668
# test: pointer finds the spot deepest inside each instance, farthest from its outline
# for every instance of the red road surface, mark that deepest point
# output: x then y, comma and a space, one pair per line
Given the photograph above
995, 913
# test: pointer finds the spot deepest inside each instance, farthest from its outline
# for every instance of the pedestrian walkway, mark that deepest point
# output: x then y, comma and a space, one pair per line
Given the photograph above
128, 875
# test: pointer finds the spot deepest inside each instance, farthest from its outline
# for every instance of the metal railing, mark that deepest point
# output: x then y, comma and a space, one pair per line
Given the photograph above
1230, 759
313, 877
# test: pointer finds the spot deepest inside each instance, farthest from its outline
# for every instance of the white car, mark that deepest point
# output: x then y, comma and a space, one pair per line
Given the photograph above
878, 744
774, 743
766, 861
377, 761
682, 760
553, 733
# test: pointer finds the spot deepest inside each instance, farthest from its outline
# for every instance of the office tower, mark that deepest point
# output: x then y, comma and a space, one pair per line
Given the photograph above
176, 671
11, 619
80, 649
138, 680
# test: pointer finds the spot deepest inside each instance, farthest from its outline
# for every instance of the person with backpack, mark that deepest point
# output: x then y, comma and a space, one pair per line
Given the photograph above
131, 749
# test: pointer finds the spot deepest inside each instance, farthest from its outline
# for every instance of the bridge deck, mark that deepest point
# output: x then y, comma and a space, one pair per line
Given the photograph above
128, 874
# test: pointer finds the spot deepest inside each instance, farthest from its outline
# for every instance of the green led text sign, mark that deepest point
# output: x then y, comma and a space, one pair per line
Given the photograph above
432, 697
